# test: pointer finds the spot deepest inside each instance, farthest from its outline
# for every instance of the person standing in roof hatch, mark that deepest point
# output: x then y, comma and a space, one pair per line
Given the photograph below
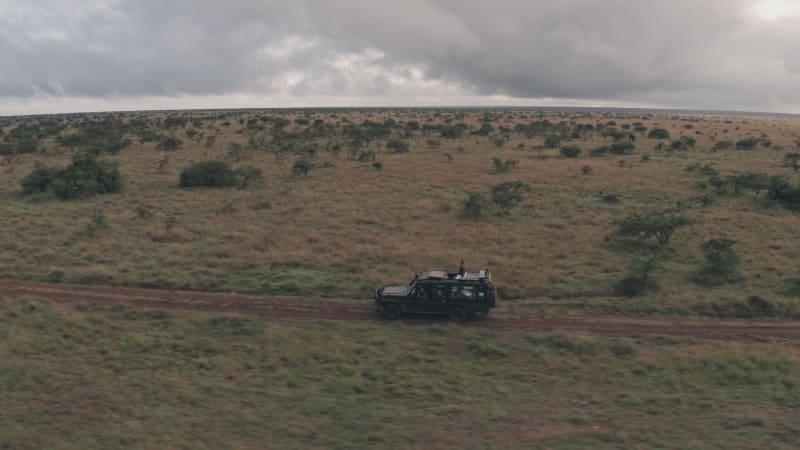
461, 270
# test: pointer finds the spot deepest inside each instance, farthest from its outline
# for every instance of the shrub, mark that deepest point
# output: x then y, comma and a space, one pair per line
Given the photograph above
249, 176
571, 151
779, 188
753, 181
622, 148
792, 160
397, 145
552, 141
617, 148
39, 180
661, 226
208, 174
639, 279
723, 145
501, 166
508, 195
684, 143
169, 144
83, 178
747, 143
473, 205
658, 133
301, 167
721, 262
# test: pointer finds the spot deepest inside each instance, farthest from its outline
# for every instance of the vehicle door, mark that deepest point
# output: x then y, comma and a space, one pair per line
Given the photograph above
463, 295
418, 298
438, 300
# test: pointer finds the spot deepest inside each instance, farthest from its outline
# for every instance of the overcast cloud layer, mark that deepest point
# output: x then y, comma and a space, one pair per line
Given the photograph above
73, 55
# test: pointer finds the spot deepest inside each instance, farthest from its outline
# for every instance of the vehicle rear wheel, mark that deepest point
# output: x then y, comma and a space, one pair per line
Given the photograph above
391, 311
457, 314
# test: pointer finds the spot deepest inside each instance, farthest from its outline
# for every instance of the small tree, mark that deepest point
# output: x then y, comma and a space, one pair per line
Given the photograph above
473, 206
500, 166
639, 279
508, 195
721, 262
570, 151
660, 226
208, 174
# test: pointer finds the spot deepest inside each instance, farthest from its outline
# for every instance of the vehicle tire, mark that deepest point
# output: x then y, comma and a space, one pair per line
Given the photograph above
457, 314
391, 311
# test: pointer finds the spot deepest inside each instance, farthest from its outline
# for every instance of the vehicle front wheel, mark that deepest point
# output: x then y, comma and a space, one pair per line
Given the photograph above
457, 315
391, 311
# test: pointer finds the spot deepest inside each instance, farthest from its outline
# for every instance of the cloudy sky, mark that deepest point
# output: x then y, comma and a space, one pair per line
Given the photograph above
92, 55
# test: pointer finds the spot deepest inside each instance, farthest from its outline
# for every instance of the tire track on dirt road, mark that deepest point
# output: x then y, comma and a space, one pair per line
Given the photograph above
296, 308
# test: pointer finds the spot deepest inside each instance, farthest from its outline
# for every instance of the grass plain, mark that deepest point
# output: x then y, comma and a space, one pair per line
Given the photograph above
101, 376
114, 377
348, 226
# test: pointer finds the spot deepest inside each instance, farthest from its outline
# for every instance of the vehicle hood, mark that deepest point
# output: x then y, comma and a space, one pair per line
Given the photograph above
394, 290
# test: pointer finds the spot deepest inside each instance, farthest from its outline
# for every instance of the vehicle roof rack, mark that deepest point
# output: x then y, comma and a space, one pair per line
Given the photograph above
440, 274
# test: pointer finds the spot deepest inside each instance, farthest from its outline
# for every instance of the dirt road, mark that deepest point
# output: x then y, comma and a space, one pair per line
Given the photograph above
322, 309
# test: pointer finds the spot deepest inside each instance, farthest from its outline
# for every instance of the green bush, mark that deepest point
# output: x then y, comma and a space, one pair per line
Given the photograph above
721, 262
622, 148
552, 141
169, 144
508, 195
301, 167
473, 205
39, 180
397, 145
208, 174
779, 188
501, 166
723, 145
658, 133
571, 151
747, 143
86, 176
639, 279
660, 226
684, 143
617, 148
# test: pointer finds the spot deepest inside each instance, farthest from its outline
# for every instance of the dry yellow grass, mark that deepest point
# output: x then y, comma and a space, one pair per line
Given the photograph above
347, 228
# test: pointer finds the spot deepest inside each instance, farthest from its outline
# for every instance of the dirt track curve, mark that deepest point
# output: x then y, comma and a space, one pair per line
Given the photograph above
320, 309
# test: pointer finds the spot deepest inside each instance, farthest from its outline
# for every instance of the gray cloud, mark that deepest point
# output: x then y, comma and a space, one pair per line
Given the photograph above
694, 54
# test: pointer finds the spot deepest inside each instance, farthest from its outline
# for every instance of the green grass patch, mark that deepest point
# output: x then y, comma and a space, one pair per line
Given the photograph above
118, 377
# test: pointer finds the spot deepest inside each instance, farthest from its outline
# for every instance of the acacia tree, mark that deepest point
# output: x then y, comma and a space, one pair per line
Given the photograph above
508, 195
660, 226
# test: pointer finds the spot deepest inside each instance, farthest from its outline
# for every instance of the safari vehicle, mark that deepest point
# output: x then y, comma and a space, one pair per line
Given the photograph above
439, 292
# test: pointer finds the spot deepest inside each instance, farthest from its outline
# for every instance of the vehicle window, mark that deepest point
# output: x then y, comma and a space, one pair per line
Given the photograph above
462, 292
420, 292
437, 292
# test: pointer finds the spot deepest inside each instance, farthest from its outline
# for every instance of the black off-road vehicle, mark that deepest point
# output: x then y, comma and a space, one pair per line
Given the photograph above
439, 292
